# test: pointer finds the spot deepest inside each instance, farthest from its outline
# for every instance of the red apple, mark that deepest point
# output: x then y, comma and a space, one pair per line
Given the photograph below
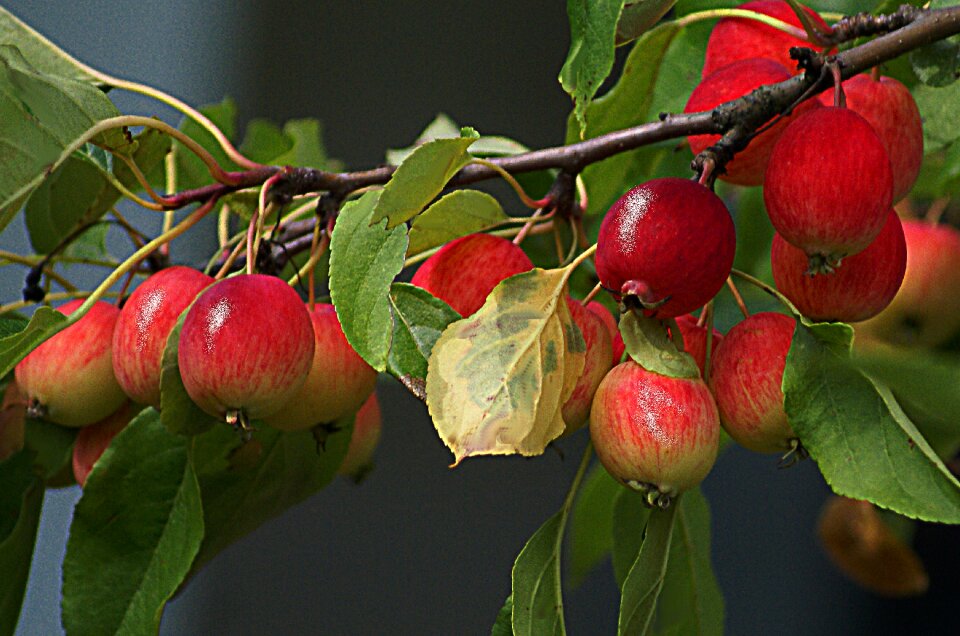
654, 433
860, 289
695, 339
246, 347
69, 378
745, 376
338, 383
735, 39
599, 359
145, 322
94, 439
926, 309
891, 110
616, 339
729, 83
464, 271
829, 185
366, 435
649, 246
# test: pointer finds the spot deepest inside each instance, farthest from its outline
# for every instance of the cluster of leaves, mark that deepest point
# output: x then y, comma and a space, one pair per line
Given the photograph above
180, 489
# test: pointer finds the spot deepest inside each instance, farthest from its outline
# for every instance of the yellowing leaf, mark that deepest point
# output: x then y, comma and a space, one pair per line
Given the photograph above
496, 380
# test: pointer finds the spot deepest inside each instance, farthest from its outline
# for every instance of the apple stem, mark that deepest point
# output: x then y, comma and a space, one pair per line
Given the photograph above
737, 297
255, 229
230, 260
525, 230
839, 96
814, 32
593, 294
170, 176
125, 287
510, 179
708, 350
713, 14
756, 282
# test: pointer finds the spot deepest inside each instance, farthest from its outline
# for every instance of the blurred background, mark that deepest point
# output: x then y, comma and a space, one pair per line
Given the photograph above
419, 548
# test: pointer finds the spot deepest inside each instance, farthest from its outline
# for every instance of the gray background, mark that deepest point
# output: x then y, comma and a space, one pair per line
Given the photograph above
418, 548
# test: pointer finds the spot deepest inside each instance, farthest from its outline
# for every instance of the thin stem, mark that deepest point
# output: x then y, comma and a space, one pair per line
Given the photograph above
708, 354
509, 178
52, 296
535, 218
756, 282
738, 298
711, 14
231, 259
170, 175
136, 236
31, 262
936, 210
255, 229
578, 477
584, 256
593, 294
223, 225
142, 180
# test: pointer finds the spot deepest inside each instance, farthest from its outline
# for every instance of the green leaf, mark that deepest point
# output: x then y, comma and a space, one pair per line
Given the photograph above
442, 127
627, 104
91, 243
925, 384
630, 515
418, 320
496, 381
138, 526
593, 29
63, 202
938, 111
649, 345
691, 603
864, 444
16, 548
307, 148
591, 524
45, 322
178, 413
421, 177
244, 485
640, 16
16, 478
456, 214
264, 140
504, 623
52, 446
191, 172
11, 324
641, 588
938, 63
40, 116
364, 260
537, 595
42, 54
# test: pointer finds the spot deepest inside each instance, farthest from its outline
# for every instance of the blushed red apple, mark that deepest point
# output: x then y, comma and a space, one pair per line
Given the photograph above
69, 379
649, 247
144, 325
363, 442
92, 440
338, 383
654, 433
745, 377
860, 289
464, 271
599, 359
246, 347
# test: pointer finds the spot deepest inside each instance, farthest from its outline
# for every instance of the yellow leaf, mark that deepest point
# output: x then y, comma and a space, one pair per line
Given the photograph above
497, 380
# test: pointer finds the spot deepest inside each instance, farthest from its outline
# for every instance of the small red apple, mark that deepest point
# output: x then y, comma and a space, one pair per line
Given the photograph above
669, 243
246, 347
695, 339
860, 289
69, 378
745, 376
926, 309
654, 433
891, 110
94, 439
145, 322
829, 185
464, 271
366, 435
599, 359
728, 83
338, 383
735, 39
616, 339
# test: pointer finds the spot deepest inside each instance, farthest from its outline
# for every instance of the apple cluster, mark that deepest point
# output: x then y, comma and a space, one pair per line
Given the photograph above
830, 170
247, 348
